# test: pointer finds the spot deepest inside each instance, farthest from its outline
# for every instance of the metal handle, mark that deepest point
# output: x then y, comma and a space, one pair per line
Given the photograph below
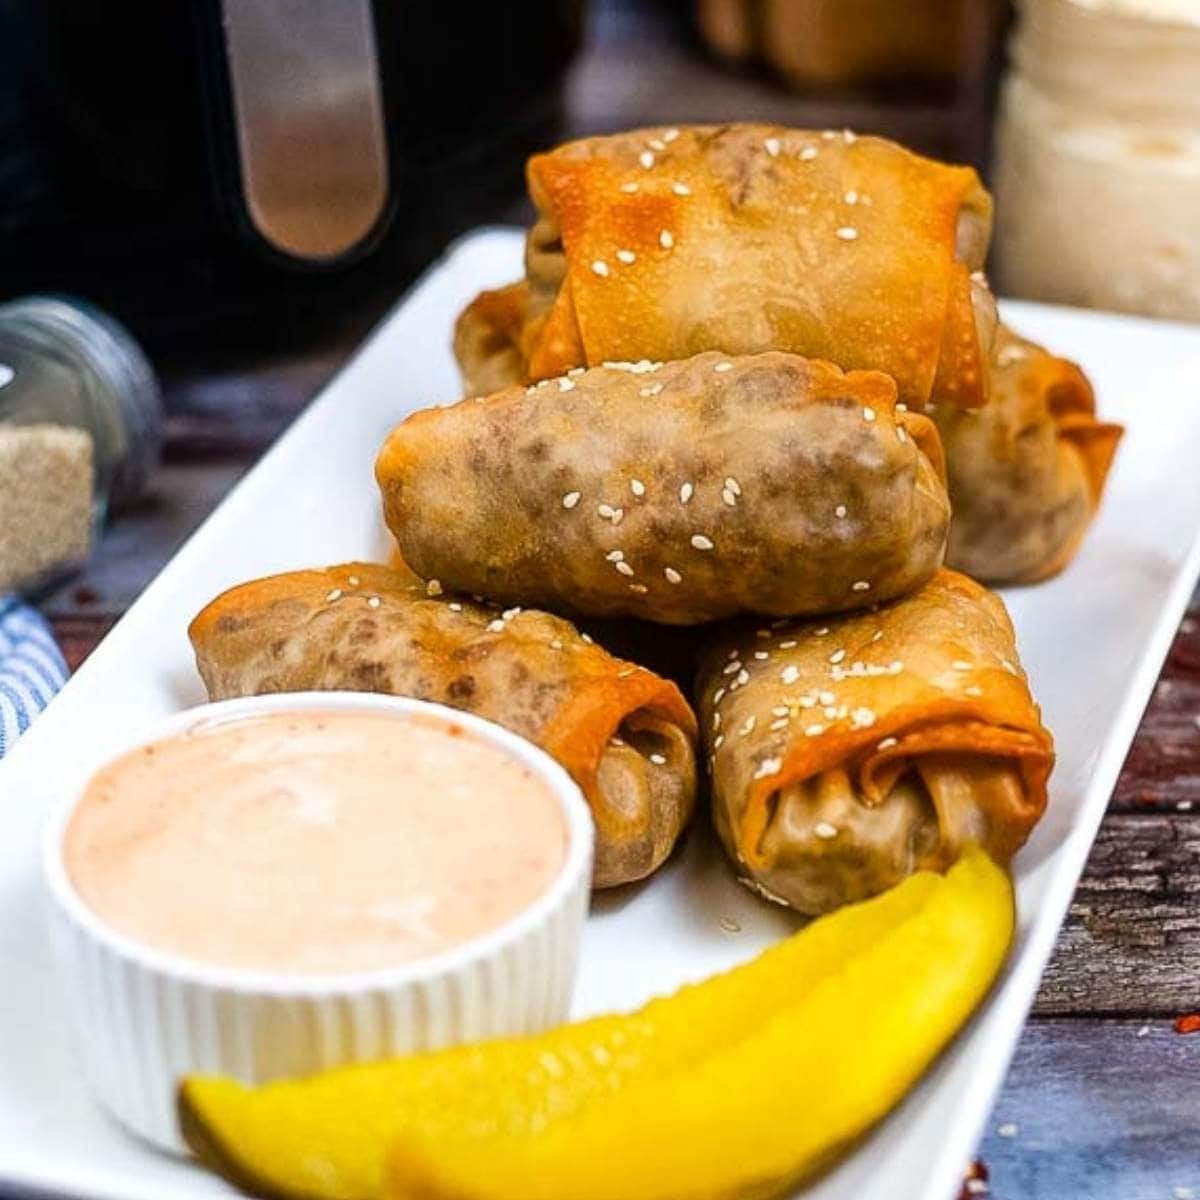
309, 120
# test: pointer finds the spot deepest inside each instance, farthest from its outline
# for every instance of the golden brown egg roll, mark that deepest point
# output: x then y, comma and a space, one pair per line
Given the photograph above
626, 736
679, 492
846, 755
661, 243
1027, 470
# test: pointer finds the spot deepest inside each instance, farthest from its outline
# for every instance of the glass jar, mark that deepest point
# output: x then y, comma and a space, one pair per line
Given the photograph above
80, 432
1097, 167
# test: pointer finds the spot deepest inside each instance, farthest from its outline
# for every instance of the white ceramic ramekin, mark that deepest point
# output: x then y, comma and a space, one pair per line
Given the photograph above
144, 1019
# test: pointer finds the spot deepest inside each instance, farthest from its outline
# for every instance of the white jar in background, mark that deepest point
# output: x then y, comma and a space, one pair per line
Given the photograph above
1097, 171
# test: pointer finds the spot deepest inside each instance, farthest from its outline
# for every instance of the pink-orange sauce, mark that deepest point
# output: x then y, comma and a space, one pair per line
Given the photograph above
319, 841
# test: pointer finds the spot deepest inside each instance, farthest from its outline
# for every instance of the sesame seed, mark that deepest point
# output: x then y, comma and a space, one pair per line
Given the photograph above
587, 637
762, 655
646, 159
670, 135
831, 711
828, 135
862, 718
877, 636
672, 575
681, 189
618, 514
496, 626
658, 759
1009, 1129
742, 678
734, 653
629, 188
851, 197
509, 613
782, 723
974, 690
860, 585
605, 510
615, 555
718, 741
887, 743
652, 390
656, 144
961, 665
747, 726
565, 384
840, 511
823, 829
780, 710
808, 153
901, 436
373, 602
685, 493
847, 233
849, 136
768, 766
433, 588
901, 406
718, 695
868, 415
762, 633
716, 721
454, 606
895, 667
733, 485
665, 240
734, 665
837, 656
771, 146
576, 371
821, 632
722, 367
601, 268
624, 567
637, 487
729, 498
700, 542
814, 730
353, 580
826, 697
570, 499
336, 594
786, 645
626, 256
789, 674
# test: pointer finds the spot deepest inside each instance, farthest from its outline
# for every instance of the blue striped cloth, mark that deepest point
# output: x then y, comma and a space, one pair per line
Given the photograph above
31, 668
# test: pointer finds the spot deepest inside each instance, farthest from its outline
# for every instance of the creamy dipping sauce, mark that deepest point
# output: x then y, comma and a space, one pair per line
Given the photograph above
314, 841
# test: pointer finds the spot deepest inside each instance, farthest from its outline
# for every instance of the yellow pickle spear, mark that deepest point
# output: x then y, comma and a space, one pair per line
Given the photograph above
519, 1103
757, 1117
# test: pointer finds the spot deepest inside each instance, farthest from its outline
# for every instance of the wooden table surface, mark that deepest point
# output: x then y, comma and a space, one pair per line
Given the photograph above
1103, 1097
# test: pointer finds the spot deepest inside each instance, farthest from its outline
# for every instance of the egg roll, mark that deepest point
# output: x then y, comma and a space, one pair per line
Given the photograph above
625, 736
1027, 470
848, 754
676, 492
661, 243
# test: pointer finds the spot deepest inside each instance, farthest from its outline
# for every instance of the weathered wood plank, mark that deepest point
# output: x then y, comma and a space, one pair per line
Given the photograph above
1131, 943
1100, 1112
1162, 771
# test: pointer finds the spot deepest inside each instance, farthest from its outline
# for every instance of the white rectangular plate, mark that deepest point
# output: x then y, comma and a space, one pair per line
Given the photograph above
1093, 641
